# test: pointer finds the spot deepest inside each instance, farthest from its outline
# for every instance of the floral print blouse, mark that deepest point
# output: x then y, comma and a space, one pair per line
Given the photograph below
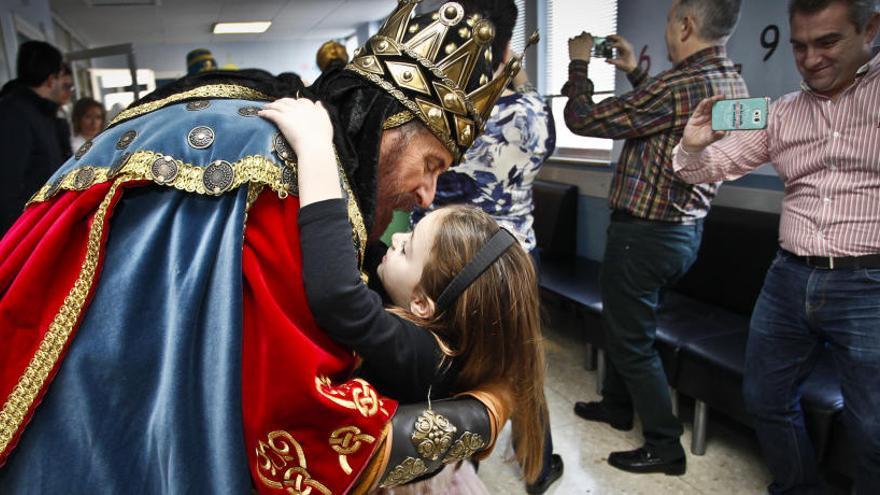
497, 172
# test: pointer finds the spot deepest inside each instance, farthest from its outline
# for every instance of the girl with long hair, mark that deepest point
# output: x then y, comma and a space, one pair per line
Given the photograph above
463, 306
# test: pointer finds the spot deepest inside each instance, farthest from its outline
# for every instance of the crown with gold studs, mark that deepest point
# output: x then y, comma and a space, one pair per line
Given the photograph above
439, 67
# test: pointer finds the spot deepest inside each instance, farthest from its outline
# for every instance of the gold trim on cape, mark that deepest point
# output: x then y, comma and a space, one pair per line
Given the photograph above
230, 91
356, 394
251, 170
32, 381
281, 465
346, 441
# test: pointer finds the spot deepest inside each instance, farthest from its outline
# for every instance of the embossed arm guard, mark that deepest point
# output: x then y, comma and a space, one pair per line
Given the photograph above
423, 440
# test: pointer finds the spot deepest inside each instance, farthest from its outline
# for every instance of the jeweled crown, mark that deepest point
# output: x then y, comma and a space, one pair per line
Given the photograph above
439, 67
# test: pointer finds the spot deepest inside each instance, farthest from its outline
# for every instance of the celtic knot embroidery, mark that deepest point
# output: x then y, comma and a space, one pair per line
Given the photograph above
356, 394
433, 435
281, 464
346, 441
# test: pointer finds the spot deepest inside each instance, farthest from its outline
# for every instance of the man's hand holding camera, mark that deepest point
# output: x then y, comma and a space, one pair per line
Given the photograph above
581, 47
625, 59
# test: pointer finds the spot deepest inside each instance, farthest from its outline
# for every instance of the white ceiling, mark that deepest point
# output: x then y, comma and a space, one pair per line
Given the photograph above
191, 21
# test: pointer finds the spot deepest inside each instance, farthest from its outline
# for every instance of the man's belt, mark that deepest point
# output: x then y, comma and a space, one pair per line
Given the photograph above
871, 261
624, 217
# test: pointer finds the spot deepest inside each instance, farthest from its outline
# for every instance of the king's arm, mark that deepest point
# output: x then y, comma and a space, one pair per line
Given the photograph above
424, 437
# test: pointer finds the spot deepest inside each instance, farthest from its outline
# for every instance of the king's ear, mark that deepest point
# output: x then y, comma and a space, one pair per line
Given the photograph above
422, 305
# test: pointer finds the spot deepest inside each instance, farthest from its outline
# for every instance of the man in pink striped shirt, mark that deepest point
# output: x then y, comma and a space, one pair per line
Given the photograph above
824, 286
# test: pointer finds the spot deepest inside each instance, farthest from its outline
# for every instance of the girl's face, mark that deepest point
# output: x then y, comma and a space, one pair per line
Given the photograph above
401, 268
92, 122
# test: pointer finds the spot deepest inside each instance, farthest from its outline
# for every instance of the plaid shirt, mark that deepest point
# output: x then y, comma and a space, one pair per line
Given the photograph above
652, 118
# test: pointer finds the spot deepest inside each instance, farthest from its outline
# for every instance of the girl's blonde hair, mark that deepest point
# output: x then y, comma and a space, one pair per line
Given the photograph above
492, 329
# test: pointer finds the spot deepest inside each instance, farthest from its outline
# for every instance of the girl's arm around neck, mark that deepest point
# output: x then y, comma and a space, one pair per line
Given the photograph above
306, 126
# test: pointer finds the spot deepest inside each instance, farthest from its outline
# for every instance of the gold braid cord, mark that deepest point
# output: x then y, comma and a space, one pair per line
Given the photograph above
22, 398
398, 119
231, 91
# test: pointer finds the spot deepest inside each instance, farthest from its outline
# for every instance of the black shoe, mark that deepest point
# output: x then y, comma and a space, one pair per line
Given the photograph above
643, 460
595, 411
554, 474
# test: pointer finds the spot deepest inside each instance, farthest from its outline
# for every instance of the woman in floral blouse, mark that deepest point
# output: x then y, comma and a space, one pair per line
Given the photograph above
497, 172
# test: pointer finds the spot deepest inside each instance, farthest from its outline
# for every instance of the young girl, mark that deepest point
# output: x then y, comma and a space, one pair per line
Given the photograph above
450, 327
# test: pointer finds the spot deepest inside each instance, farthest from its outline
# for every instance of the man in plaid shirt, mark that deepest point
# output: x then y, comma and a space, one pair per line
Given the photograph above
656, 219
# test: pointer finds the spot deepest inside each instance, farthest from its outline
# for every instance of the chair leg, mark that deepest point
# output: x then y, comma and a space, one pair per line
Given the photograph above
701, 418
590, 363
600, 370
673, 396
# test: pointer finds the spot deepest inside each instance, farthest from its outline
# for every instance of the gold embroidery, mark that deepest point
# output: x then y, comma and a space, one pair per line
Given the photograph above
408, 470
397, 120
250, 169
438, 131
346, 441
22, 397
464, 447
432, 435
357, 220
281, 464
231, 91
356, 394
254, 191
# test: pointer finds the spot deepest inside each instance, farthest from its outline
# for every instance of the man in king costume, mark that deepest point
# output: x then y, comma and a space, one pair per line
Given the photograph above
154, 332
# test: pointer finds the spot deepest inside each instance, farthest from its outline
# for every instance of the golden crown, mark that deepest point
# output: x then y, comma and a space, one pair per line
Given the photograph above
428, 63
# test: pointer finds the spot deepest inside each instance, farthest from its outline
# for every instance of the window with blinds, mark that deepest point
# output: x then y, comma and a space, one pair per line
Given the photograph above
566, 19
518, 41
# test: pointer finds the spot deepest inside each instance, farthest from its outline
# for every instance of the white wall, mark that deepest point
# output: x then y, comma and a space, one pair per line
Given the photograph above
169, 60
34, 13
643, 23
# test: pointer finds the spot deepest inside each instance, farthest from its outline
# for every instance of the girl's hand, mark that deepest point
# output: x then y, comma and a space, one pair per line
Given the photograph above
304, 123
306, 126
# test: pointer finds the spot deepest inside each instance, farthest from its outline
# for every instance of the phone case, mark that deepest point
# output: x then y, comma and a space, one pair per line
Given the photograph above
745, 114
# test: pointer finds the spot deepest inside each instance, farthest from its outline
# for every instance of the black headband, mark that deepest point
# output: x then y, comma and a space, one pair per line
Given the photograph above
495, 247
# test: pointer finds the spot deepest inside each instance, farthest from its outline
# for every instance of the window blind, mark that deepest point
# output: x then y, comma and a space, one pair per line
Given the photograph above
566, 19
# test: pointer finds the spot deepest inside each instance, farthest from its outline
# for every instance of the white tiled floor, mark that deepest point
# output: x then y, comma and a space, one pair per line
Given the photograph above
731, 465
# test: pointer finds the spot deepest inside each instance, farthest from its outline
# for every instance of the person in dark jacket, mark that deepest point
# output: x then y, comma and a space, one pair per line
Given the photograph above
29, 128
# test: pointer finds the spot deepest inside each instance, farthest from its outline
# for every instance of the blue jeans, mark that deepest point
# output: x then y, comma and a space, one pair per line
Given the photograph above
799, 312
641, 259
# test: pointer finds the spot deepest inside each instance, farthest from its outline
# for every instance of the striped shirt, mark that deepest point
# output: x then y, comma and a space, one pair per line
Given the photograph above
652, 118
827, 152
